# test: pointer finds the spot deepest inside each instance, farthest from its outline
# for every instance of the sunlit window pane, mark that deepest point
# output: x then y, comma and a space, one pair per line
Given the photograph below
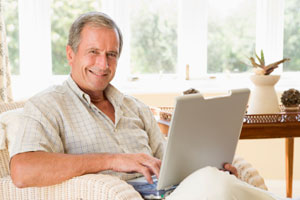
64, 12
153, 36
292, 35
231, 34
11, 20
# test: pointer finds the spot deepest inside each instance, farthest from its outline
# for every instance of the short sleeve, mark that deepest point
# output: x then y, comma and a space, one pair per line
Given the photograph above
157, 141
38, 131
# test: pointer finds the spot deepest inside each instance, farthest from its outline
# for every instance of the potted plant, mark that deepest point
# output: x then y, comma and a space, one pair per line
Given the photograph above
263, 97
290, 99
261, 68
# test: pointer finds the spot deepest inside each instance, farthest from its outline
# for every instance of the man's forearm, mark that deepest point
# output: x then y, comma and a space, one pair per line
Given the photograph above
43, 168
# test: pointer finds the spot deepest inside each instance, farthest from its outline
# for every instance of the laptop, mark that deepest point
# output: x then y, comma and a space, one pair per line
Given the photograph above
203, 132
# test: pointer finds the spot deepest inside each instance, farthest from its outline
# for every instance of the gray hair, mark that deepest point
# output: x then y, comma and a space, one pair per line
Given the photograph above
96, 19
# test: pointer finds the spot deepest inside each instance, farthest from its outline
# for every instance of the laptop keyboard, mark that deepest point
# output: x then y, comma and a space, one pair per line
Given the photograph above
149, 191
146, 186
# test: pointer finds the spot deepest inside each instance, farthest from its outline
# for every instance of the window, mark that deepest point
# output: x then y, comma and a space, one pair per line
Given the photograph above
160, 38
153, 36
292, 35
12, 34
62, 16
231, 35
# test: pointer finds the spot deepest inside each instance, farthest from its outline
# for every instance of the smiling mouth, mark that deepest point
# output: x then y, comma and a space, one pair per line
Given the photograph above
98, 73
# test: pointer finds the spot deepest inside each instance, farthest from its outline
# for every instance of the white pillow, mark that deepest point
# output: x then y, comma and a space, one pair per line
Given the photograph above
2, 137
9, 122
210, 184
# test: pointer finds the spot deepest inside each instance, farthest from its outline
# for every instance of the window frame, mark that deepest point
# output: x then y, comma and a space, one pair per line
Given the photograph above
35, 32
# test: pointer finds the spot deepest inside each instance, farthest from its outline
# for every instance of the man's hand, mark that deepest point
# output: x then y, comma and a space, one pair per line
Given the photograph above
142, 163
231, 169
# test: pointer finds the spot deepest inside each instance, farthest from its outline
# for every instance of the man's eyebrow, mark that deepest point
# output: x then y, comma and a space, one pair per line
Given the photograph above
92, 48
97, 49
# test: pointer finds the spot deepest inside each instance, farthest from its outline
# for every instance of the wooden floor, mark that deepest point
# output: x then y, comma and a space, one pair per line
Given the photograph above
278, 187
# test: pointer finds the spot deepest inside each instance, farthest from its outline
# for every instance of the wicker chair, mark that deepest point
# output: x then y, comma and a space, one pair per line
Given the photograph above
91, 186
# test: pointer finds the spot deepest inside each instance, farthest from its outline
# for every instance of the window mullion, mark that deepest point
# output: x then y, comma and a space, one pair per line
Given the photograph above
192, 37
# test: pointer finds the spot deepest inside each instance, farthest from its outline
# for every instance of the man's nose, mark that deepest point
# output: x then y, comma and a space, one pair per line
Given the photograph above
101, 61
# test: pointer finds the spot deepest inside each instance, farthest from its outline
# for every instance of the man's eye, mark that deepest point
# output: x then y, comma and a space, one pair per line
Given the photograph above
112, 55
93, 52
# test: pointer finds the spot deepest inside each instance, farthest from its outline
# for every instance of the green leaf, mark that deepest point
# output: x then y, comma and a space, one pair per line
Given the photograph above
262, 57
258, 58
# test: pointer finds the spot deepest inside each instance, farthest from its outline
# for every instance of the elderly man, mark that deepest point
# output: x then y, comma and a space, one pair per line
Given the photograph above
86, 125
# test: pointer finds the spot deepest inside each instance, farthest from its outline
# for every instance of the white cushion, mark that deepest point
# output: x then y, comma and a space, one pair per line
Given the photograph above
2, 137
210, 183
9, 122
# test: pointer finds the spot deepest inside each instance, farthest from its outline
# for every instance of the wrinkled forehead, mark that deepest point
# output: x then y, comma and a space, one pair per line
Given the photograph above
104, 26
99, 38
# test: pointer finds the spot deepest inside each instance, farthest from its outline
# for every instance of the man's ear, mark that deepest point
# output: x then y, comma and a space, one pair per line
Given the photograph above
70, 55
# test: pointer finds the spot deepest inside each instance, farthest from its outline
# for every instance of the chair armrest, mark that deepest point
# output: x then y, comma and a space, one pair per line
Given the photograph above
248, 174
91, 186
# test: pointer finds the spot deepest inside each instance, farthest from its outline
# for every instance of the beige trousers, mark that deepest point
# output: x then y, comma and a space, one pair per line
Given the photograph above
212, 184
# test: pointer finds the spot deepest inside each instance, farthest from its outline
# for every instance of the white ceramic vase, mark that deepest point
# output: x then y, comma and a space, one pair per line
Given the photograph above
263, 98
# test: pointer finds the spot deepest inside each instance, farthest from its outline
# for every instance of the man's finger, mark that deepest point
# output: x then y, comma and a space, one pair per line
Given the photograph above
231, 169
146, 172
153, 164
155, 167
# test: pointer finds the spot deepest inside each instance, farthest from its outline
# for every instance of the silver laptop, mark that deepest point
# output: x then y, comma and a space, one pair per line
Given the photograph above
203, 132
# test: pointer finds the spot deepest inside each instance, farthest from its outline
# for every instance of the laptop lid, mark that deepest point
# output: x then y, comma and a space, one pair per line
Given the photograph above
203, 132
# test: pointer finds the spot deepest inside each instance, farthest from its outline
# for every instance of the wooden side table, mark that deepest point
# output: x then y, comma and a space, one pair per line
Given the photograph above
260, 126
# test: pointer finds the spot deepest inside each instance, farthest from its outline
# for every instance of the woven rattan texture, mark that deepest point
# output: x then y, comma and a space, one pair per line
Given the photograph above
87, 187
92, 187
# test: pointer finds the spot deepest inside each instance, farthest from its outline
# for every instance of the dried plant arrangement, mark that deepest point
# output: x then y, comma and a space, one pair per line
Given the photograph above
290, 98
260, 68
190, 91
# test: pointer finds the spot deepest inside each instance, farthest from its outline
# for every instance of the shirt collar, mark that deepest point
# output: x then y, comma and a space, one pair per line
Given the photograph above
112, 93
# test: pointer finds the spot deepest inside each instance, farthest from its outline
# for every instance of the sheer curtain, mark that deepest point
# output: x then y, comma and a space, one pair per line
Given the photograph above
35, 44
269, 30
5, 83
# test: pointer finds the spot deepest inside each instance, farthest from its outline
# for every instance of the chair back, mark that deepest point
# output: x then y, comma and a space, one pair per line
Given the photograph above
4, 156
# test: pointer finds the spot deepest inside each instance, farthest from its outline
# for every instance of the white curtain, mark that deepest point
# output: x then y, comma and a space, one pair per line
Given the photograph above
269, 30
5, 82
35, 44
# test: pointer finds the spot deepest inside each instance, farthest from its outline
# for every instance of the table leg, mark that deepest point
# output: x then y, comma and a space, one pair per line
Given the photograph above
289, 157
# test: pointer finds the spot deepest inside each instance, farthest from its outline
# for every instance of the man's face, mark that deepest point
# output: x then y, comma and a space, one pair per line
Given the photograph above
94, 64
